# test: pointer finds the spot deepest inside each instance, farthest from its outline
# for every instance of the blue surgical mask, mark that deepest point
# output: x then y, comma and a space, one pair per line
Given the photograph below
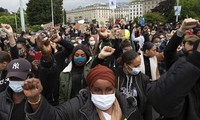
79, 60
16, 86
134, 71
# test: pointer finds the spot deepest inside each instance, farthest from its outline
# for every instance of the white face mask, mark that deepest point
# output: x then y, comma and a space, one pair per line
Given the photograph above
16, 86
103, 102
79, 41
92, 42
134, 71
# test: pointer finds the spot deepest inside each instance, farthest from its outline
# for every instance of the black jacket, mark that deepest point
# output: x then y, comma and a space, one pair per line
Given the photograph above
170, 53
80, 108
48, 77
7, 104
61, 56
3, 82
49, 72
176, 95
141, 80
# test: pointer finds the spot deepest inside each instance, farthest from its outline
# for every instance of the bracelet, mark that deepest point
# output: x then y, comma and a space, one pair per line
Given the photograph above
35, 103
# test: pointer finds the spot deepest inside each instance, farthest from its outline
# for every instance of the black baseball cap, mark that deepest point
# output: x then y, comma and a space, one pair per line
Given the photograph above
18, 68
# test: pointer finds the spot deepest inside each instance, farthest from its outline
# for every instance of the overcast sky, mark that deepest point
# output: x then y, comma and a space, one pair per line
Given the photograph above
13, 5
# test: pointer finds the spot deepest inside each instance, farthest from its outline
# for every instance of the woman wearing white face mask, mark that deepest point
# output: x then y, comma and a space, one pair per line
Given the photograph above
130, 80
92, 46
100, 102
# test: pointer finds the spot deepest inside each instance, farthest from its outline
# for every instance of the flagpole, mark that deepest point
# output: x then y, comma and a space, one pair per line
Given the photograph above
52, 17
177, 5
22, 16
112, 5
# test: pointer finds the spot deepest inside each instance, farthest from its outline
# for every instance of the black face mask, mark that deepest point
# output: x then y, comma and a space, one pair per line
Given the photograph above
21, 53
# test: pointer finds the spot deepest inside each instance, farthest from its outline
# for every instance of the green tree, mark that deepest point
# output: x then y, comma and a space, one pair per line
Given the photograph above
189, 8
165, 8
8, 18
154, 17
3, 11
39, 11
65, 17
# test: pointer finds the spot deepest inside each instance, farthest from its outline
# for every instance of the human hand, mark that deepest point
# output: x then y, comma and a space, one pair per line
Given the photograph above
103, 32
8, 29
44, 44
188, 23
105, 52
32, 88
28, 37
35, 64
54, 36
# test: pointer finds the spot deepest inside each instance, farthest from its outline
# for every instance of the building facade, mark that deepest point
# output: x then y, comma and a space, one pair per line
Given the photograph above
128, 11
138, 8
122, 11
96, 11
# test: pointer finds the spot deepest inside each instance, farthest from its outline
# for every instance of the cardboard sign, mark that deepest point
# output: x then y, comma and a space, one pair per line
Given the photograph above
77, 26
101, 22
82, 28
81, 21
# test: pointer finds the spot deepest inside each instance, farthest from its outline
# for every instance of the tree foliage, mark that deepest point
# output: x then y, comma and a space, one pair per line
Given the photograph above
165, 7
154, 17
3, 11
190, 8
8, 18
39, 11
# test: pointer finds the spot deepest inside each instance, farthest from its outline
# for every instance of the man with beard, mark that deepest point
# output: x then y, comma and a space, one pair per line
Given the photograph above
180, 37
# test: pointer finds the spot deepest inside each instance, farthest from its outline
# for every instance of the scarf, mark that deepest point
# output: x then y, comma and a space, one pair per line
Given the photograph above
116, 112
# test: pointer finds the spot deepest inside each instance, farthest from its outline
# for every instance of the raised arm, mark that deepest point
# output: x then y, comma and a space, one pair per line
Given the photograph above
169, 94
13, 48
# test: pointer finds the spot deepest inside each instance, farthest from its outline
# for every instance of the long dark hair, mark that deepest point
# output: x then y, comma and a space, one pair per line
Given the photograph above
128, 56
147, 46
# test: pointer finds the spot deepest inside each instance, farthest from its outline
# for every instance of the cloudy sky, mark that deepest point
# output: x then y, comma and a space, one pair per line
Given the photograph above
13, 5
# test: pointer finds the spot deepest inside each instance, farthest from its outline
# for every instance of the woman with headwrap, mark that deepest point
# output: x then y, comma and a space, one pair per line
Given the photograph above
99, 102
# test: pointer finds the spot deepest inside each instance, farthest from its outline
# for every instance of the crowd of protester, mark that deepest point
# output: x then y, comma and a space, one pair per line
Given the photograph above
111, 72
